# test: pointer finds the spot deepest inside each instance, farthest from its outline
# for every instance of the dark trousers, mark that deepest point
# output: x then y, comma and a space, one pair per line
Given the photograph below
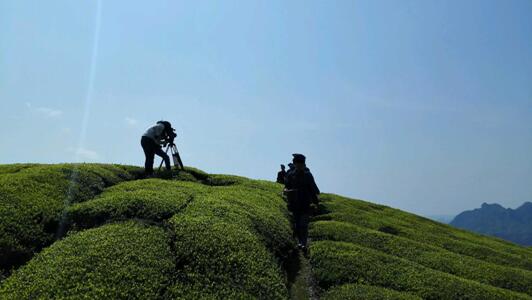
150, 149
301, 220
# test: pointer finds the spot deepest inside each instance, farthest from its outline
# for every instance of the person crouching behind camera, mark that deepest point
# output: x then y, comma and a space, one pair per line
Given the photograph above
151, 141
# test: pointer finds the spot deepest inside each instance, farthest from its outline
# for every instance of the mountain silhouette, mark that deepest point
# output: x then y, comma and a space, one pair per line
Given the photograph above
514, 225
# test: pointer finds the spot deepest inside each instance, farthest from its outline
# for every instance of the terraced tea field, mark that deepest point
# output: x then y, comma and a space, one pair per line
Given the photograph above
97, 231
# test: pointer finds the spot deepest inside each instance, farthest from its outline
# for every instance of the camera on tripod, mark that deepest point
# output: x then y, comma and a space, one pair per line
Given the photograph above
170, 137
169, 144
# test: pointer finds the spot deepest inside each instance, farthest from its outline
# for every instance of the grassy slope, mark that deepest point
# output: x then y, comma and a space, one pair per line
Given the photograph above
201, 236
219, 236
110, 262
357, 243
33, 198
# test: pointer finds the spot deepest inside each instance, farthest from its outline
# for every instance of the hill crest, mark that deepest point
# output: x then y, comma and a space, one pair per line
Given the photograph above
99, 231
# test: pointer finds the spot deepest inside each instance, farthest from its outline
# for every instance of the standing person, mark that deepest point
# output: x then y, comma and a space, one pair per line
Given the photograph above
301, 190
291, 168
281, 175
151, 144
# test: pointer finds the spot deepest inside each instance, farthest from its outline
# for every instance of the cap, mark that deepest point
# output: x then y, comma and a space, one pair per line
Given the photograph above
167, 125
298, 158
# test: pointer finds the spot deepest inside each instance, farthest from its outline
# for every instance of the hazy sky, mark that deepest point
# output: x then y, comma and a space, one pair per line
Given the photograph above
421, 105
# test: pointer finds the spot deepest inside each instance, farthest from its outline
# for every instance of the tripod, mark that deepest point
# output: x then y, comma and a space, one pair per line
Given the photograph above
175, 156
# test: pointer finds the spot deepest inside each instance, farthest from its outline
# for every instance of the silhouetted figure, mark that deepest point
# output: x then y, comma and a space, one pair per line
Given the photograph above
291, 168
151, 142
281, 175
301, 191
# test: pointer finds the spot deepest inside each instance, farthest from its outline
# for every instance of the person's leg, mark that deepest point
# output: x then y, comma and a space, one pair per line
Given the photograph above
297, 227
159, 151
303, 228
149, 153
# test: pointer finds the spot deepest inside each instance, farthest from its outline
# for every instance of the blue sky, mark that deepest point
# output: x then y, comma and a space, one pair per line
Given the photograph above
421, 105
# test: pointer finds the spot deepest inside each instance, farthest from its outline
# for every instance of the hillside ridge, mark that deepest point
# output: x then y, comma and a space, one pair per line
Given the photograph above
209, 236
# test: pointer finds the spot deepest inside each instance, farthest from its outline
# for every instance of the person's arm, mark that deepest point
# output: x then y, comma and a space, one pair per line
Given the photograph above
288, 185
160, 134
313, 185
313, 189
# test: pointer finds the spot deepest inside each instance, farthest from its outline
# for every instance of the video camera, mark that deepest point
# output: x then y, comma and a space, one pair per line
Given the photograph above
170, 136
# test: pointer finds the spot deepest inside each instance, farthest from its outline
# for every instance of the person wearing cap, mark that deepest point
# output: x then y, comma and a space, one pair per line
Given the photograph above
151, 142
281, 175
301, 191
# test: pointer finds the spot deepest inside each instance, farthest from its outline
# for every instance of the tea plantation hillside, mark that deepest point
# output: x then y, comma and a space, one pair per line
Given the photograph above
98, 231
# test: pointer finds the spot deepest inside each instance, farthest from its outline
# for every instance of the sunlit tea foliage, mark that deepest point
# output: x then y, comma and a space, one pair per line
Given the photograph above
100, 231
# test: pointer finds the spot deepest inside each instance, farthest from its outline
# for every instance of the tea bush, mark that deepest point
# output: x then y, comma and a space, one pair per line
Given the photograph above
228, 235
204, 236
361, 291
223, 180
391, 239
426, 255
32, 200
255, 210
337, 263
198, 174
419, 229
118, 261
14, 168
150, 199
223, 260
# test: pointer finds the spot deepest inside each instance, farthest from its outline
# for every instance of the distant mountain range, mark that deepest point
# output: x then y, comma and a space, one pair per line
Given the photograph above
514, 225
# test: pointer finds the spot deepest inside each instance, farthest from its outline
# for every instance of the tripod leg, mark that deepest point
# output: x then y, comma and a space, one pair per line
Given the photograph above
177, 157
162, 160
